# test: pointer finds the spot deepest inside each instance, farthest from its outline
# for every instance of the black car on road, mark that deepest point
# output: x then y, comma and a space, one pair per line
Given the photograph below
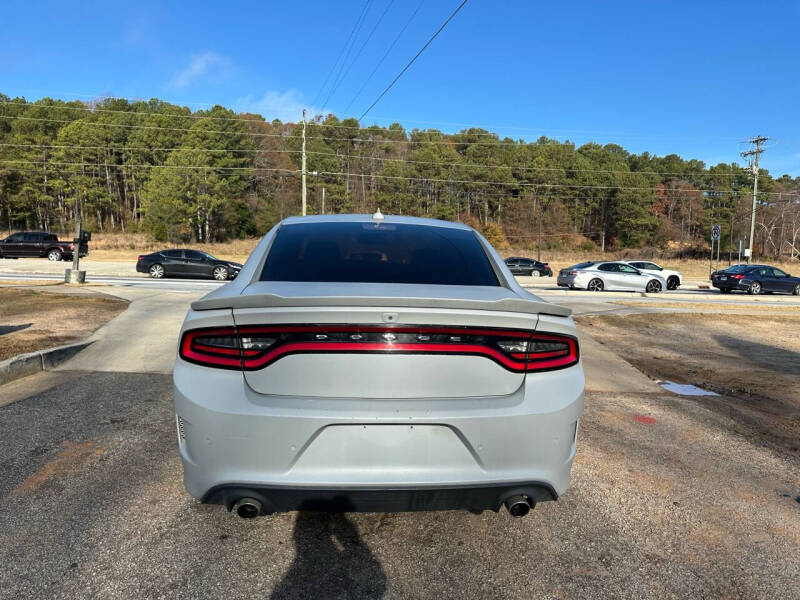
519, 265
755, 279
186, 263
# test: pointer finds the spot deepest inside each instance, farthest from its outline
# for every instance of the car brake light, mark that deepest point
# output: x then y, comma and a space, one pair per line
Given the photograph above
255, 347
217, 347
737, 276
572, 273
141, 257
72, 246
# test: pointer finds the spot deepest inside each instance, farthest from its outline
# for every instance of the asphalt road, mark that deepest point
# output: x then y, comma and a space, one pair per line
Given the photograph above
545, 289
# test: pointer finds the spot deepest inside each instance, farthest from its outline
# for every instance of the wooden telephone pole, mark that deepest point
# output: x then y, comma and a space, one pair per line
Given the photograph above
755, 152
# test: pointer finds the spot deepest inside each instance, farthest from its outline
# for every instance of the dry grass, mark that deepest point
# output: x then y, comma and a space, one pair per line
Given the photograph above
750, 360
127, 246
716, 308
35, 320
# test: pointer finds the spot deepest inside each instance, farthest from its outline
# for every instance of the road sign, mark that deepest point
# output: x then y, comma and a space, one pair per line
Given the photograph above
716, 231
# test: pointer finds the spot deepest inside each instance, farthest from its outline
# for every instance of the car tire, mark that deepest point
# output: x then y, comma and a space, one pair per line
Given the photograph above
54, 255
725, 290
673, 282
220, 273
535, 273
754, 289
595, 285
653, 287
156, 271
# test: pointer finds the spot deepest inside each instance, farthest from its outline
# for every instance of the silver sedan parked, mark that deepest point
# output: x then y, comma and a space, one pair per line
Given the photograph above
613, 275
367, 363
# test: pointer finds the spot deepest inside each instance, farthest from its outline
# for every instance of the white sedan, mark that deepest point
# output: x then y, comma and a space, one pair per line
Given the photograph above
614, 275
673, 278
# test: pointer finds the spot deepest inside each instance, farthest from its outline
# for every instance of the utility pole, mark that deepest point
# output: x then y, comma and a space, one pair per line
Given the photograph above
322, 212
756, 152
77, 241
304, 162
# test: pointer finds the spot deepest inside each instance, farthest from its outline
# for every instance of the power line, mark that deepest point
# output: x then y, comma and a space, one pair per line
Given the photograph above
564, 170
342, 51
516, 185
383, 58
154, 149
251, 121
411, 62
361, 49
444, 136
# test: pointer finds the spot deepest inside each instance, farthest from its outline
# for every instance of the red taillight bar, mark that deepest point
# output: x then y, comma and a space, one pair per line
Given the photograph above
197, 346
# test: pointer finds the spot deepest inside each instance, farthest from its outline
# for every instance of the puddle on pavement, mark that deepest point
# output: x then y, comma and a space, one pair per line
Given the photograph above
685, 389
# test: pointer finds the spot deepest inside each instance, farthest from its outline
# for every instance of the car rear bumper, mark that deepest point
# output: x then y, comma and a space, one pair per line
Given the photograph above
375, 454
566, 281
729, 285
343, 499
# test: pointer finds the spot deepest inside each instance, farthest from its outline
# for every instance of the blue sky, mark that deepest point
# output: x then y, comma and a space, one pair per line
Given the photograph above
693, 78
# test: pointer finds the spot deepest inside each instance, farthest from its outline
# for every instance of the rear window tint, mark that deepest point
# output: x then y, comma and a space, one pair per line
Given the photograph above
377, 253
738, 269
582, 265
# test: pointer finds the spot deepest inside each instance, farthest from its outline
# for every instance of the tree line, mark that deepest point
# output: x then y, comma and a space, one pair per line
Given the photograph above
209, 175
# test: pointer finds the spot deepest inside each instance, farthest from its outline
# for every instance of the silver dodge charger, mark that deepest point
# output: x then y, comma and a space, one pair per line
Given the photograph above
370, 363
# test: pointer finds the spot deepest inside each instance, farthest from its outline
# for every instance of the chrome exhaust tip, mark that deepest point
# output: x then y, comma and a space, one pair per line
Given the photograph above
519, 506
247, 508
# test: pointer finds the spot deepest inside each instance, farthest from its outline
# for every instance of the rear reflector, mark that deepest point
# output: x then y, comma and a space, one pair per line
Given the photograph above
255, 347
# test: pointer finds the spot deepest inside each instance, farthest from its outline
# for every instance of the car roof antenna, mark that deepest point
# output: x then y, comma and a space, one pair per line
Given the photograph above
378, 216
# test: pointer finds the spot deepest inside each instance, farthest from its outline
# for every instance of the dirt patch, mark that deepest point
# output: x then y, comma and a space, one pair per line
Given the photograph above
752, 361
72, 458
33, 320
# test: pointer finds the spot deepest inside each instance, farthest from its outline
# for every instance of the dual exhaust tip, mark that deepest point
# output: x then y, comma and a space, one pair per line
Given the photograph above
517, 506
247, 508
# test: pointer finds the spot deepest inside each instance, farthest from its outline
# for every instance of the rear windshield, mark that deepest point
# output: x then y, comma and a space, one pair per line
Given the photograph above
377, 253
582, 265
738, 269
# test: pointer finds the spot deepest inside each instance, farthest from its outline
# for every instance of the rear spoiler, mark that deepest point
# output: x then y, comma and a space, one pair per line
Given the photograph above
268, 300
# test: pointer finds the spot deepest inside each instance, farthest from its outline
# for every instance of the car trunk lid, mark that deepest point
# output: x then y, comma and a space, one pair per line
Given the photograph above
383, 341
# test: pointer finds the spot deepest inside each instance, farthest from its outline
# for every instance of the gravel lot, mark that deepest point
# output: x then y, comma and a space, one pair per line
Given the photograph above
670, 499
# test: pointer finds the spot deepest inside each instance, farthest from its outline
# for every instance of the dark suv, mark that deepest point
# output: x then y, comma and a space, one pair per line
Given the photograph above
38, 244
519, 265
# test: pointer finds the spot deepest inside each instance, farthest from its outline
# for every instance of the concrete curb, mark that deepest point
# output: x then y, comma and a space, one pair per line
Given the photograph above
34, 362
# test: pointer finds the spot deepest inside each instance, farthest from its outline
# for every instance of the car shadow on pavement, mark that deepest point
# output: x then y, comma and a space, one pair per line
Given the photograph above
331, 561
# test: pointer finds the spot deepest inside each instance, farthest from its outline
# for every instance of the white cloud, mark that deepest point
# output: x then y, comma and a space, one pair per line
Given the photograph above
201, 65
286, 106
